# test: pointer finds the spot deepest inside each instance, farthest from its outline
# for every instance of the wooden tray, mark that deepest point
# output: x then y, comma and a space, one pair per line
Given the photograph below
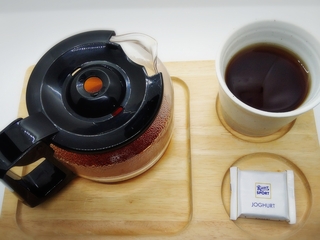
205, 192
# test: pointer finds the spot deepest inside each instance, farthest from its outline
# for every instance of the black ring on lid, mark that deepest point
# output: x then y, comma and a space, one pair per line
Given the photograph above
122, 106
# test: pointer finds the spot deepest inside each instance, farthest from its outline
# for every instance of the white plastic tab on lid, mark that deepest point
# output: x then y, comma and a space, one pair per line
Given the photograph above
262, 195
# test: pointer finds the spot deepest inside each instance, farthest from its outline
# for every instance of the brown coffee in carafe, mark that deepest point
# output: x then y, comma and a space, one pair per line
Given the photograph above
268, 77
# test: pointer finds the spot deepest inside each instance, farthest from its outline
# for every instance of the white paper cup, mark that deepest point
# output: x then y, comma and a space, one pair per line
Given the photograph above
251, 121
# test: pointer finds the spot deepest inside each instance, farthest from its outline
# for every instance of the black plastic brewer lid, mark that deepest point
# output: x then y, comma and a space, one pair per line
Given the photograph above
96, 97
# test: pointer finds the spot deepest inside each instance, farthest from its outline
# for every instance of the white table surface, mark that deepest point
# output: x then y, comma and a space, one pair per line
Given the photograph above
185, 30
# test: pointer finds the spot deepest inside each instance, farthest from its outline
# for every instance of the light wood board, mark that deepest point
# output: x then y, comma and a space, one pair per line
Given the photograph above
202, 193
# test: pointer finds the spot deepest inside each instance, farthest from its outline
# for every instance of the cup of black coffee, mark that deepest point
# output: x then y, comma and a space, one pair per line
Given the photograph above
269, 74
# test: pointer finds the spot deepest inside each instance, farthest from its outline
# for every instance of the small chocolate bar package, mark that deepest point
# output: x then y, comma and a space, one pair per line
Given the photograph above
262, 195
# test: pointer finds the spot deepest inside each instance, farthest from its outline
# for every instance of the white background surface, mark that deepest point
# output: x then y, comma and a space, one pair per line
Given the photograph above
185, 30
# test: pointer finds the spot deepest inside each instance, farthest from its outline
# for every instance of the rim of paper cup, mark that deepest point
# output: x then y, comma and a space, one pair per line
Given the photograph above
222, 83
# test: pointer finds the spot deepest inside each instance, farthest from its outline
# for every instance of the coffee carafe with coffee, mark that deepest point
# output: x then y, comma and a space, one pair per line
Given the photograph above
100, 106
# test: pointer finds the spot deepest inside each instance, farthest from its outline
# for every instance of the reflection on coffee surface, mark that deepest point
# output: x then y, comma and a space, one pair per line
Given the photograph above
268, 77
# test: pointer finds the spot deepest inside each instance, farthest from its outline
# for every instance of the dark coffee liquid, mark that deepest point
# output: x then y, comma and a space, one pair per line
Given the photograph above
268, 78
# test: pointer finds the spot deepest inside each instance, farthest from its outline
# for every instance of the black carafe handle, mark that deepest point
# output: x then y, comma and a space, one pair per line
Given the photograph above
26, 141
